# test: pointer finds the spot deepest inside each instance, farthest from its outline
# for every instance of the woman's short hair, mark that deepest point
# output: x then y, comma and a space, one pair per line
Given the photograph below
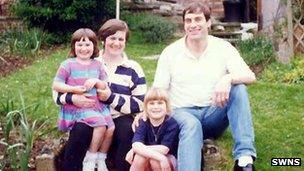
110, 27
157, 94
197, 7
81, 34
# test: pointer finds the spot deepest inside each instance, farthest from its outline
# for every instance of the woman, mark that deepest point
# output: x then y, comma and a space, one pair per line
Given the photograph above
125, 95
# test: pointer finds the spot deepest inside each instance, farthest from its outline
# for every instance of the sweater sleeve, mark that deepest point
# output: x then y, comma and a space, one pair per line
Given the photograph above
131, 102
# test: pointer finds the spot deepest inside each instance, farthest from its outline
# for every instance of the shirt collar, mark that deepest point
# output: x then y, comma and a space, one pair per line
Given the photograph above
187, 51
124, 62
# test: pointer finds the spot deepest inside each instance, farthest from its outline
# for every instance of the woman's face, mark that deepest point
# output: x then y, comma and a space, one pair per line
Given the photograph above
115, 44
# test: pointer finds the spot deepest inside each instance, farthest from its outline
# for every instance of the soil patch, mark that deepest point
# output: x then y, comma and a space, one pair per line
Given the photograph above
10, 63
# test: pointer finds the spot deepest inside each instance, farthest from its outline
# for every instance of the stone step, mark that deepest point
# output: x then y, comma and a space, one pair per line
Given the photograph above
227, 24
225, 34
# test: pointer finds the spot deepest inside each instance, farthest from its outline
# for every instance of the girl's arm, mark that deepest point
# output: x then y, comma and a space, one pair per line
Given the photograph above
159, 148
64, 88
147, 151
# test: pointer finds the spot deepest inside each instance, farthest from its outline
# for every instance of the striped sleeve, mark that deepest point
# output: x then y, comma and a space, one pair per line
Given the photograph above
63, 72
61, 76
129, 99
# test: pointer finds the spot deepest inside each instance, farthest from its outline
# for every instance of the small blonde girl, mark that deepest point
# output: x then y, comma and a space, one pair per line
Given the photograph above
155, 140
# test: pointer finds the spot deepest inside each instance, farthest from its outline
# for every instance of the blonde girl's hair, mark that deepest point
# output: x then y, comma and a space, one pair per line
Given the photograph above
157, 94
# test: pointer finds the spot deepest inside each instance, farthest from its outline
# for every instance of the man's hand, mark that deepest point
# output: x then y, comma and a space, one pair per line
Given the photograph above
129, 157
78, 89
139, 116
82, 101
90, 83
104, 94
222, 90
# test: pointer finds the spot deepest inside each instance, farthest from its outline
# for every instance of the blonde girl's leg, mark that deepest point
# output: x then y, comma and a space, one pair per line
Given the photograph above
155, 165
139, 163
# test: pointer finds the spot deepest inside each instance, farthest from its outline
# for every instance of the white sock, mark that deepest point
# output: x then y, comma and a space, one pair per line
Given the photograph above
244, 160
91, 156
102, 156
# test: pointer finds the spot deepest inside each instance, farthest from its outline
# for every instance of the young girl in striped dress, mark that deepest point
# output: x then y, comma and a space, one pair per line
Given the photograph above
79, 75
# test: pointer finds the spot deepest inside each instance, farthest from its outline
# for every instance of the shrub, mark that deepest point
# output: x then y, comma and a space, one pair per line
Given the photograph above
64, 16
133, 19
153, 28
292, 73
258, 50
19, 135
296, 75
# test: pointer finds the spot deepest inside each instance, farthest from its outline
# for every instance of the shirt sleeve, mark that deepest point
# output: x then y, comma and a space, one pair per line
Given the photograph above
162, 73
235, 63
131, 104
170, 138
140, 132
62, 74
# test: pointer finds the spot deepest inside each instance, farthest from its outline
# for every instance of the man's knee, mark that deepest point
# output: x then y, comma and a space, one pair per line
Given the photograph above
189, 125
238, 89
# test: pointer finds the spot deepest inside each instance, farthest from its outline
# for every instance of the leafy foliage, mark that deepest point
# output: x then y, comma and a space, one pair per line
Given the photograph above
64, 16
153, 28
292, 73
19, 134
25, 43
258, 50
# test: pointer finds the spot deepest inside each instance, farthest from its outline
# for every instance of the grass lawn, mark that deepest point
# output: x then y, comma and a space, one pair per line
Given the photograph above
278, 110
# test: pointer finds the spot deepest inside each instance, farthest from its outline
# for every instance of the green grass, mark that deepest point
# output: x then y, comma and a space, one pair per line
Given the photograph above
278, 116
278, 110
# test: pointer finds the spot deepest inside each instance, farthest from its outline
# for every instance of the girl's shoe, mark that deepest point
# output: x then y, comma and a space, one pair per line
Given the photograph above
88, 165
89, 162
101, 165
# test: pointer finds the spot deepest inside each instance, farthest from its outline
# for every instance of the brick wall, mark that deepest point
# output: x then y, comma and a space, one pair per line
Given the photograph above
4, 7
7, 20
216, 6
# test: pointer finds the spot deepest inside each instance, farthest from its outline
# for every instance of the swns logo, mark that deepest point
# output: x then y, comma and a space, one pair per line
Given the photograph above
286, 162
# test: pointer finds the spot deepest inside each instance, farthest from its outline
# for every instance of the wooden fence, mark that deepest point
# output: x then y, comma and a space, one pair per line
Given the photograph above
298, 27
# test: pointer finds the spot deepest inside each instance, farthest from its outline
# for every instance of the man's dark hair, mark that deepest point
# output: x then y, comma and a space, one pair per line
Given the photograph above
197, 7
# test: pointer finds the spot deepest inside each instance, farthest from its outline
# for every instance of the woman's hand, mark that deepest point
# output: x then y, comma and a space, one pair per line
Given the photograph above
103, 94
82, 101
139, 116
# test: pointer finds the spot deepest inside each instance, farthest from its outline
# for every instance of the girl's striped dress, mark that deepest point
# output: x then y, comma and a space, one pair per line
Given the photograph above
75, 74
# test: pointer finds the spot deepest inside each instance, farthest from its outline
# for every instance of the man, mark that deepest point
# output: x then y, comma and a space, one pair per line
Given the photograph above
205, 78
